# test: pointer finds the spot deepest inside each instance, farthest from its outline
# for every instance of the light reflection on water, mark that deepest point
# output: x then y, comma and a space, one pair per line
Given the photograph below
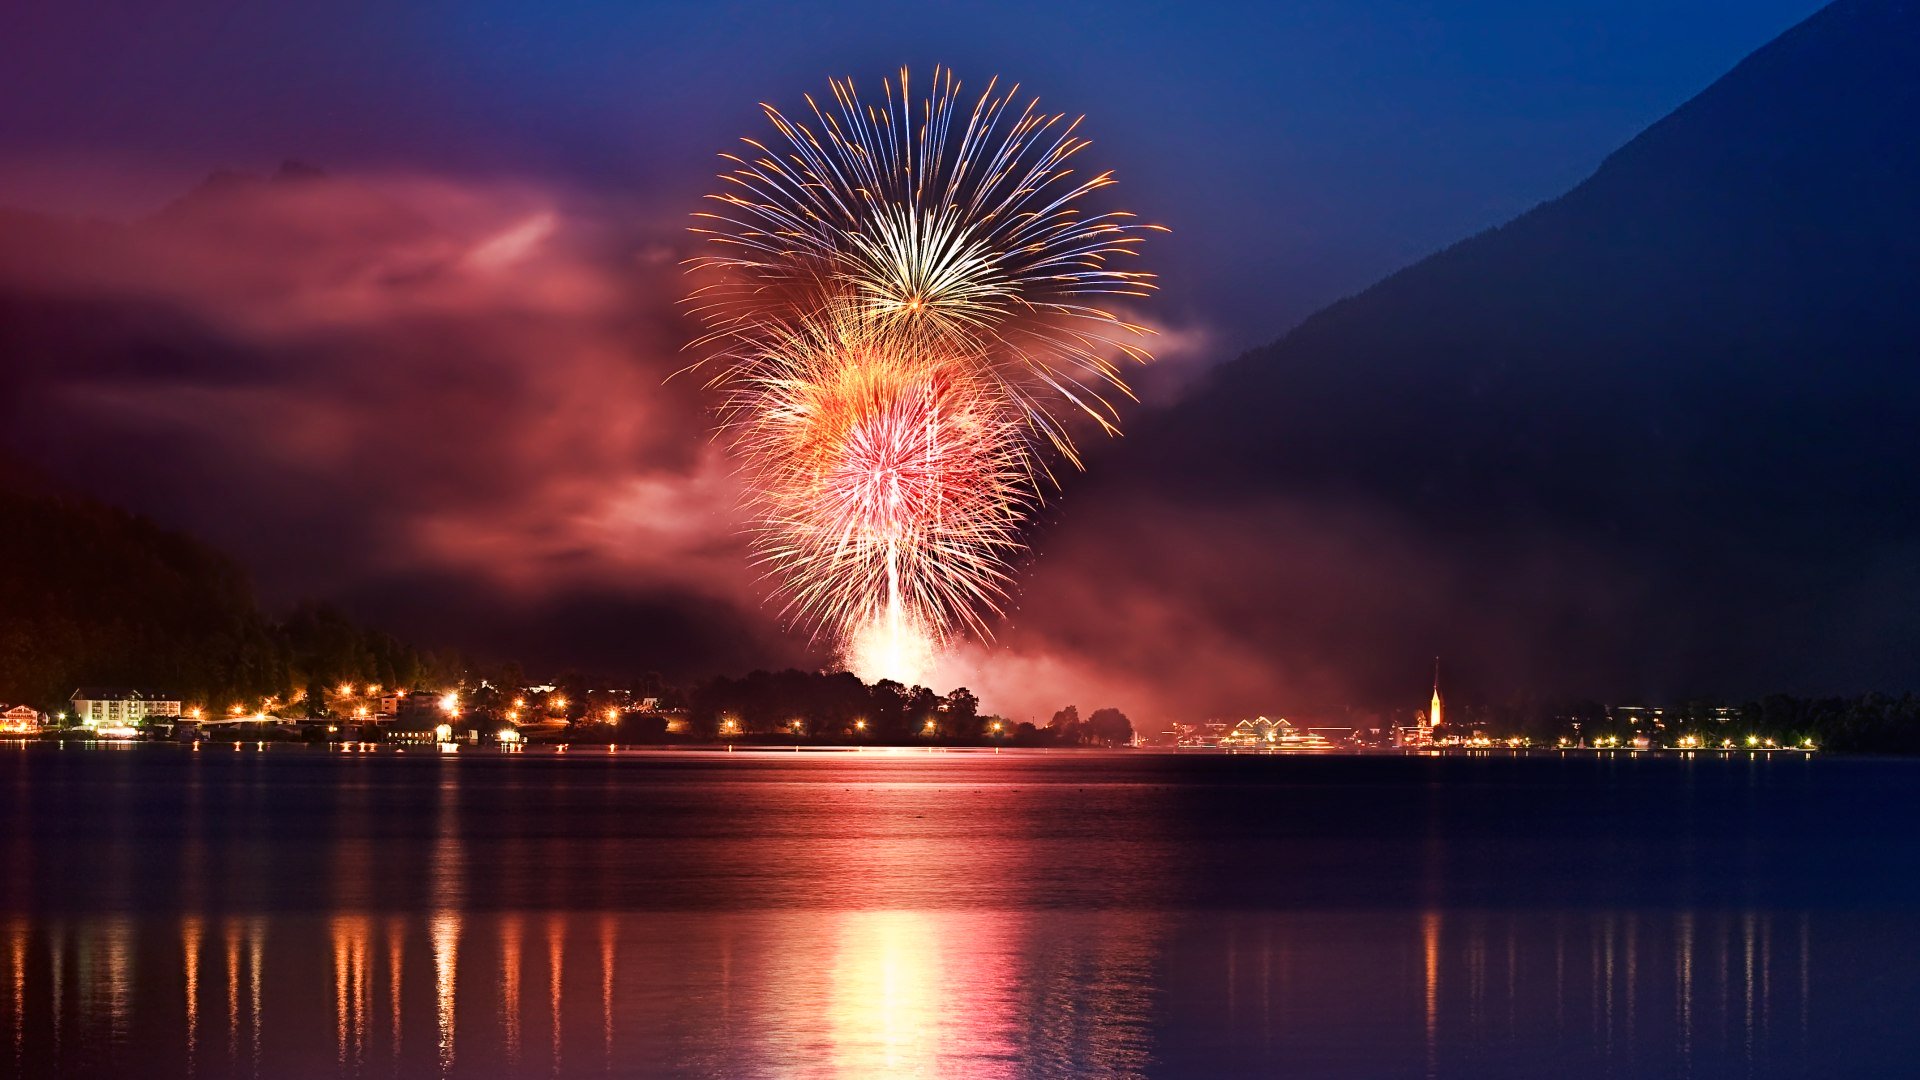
1103, 916
911, 993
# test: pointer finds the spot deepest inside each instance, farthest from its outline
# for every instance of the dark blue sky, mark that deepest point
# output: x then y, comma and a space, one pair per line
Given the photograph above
1300, 149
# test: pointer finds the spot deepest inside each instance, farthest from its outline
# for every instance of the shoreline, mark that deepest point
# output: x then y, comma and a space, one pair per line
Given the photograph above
602, 750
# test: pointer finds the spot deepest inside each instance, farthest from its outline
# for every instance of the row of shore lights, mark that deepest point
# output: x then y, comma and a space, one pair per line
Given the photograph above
509, 735
450, 704
1694, 742
731, 726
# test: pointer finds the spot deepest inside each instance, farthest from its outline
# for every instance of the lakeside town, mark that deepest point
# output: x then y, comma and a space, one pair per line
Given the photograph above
796, 708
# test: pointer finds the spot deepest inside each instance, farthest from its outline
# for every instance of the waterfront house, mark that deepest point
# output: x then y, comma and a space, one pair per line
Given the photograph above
118, 706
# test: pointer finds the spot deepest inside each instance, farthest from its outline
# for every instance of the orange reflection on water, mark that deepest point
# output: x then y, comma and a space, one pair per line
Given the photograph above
445, 933
233, 988
352, 939
17, 978
57, 963
256, 960
1683, 985
396, 965
245, 948
190, 932
449, 868
556, 968
1430, 950
510, 931
609, 944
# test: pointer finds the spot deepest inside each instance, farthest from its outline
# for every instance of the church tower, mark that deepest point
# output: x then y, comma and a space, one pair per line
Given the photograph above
1433, 712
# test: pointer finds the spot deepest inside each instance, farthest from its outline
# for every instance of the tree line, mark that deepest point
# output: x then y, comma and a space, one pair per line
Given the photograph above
838, 706
92, 595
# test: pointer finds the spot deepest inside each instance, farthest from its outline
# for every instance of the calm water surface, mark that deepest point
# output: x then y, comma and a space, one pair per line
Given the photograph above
297, 913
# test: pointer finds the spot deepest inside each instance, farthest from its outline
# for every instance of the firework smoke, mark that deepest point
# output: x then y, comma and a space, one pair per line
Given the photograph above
903, 304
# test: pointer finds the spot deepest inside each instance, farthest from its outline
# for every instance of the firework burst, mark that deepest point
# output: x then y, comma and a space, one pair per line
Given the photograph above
906, 301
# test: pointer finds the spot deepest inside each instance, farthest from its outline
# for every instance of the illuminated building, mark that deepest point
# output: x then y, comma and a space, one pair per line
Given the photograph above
1261, 733
420, 706
102, 706
1258, 731
1421, 734
21, 720
1198, 735
1434, 713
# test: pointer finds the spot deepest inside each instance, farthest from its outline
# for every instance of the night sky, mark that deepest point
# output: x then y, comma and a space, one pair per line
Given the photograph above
432, 385
1301, 150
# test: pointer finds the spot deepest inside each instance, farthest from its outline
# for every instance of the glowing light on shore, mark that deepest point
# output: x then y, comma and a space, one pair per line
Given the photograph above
906, 303
892, 645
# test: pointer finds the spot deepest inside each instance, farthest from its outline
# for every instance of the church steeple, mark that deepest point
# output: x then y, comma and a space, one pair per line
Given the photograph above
1433, 712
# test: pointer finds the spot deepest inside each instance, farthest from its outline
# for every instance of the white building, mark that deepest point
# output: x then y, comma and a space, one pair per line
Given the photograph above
1261, 733
117, 706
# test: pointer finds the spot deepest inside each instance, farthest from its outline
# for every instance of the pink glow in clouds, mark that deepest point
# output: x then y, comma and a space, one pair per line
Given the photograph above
449, 405
351, 383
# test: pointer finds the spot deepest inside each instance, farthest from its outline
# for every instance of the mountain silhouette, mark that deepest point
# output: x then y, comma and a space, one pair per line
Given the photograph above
1655, 436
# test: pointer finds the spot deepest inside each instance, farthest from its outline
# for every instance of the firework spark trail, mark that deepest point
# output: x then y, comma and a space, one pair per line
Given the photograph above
903, 314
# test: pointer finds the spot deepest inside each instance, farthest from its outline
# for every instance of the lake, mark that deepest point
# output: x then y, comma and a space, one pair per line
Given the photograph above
292, 912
